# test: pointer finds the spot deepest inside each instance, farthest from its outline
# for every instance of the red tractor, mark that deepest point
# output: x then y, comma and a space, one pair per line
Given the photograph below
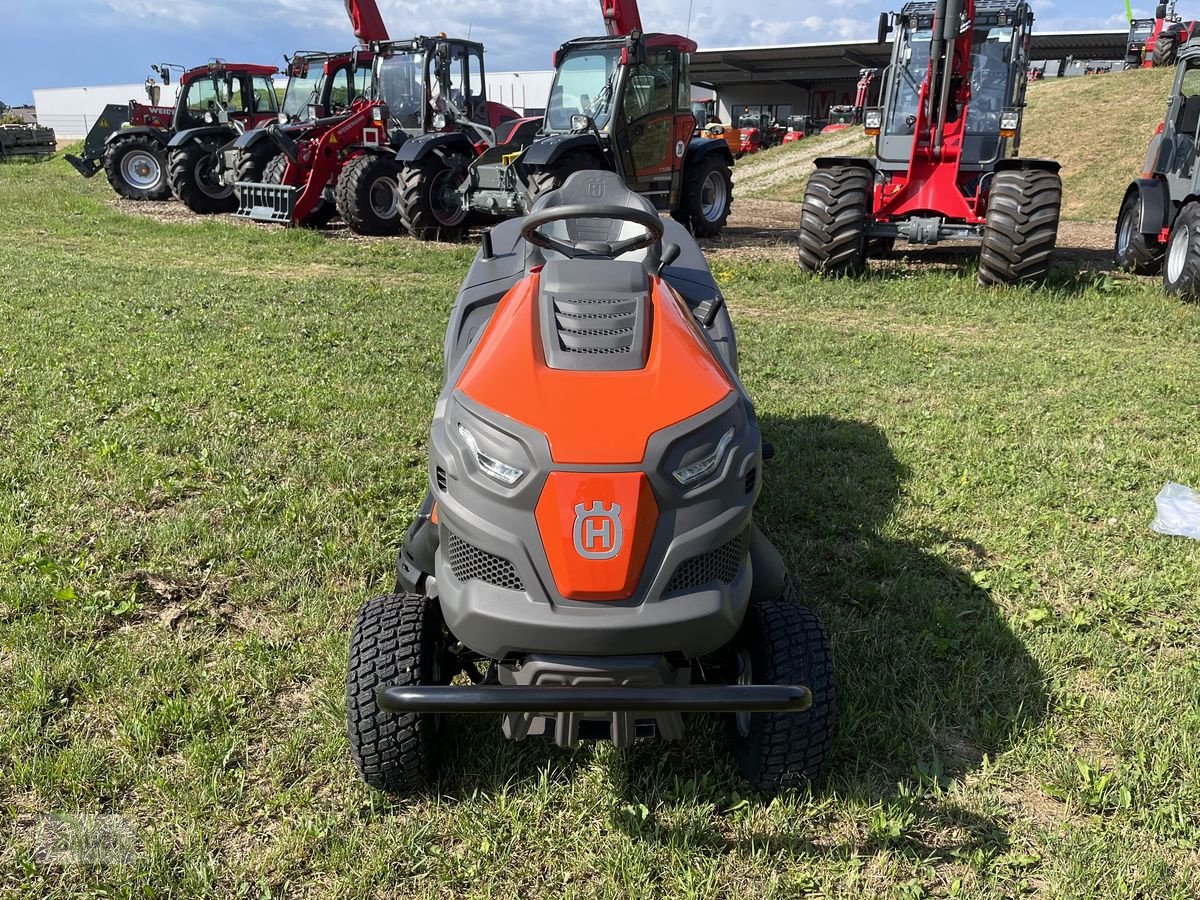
129, 142
945, 165
1156, 42
799, 127
759, 132
619, 103
348, 162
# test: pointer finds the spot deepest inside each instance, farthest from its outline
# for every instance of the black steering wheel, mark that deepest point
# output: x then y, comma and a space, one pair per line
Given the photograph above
530, 231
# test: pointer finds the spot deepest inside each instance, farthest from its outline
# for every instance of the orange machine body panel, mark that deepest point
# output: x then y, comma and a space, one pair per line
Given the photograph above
594, 418
596, 528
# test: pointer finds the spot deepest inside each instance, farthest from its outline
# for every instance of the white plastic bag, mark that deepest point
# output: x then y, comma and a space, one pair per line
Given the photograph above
1178, 511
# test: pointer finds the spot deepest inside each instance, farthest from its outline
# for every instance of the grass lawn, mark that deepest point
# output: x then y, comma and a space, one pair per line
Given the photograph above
212, 438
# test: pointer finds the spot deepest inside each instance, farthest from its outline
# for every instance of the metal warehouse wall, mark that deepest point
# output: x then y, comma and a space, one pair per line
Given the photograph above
787, 99
71, 112
526, 92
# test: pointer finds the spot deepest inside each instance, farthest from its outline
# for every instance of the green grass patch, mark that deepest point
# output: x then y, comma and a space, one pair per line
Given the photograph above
213, 436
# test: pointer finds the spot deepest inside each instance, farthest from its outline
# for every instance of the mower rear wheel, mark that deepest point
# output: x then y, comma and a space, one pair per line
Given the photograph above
368, 195
398, 639
1134, 251
273, 174
430, 206
1021, 226
833, 221
782, 643
136, 167
555, 175
194, 178
1181, 268
1166, 49
706, 196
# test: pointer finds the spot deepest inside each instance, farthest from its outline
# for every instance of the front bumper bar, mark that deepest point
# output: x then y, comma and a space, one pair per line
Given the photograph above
592, 699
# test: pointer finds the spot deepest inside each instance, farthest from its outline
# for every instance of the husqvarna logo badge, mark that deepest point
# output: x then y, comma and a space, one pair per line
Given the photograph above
598, 530
595, 188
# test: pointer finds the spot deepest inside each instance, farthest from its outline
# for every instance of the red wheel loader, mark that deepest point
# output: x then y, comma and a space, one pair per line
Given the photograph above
946, 166
129, 142
618, 103
1157, 42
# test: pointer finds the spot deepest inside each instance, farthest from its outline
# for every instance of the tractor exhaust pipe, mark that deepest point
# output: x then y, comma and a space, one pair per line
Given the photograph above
948, 25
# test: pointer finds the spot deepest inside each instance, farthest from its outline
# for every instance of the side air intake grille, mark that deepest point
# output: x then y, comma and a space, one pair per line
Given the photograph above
751, 480
720, 565
469, 563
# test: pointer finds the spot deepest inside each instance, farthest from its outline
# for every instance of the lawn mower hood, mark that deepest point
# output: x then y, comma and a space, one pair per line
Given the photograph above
594, 458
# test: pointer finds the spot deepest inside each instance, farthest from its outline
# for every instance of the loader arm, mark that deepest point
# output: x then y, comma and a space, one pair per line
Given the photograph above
366, 21
621, 17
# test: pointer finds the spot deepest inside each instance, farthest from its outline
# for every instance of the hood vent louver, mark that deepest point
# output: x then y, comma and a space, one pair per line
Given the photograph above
595, 315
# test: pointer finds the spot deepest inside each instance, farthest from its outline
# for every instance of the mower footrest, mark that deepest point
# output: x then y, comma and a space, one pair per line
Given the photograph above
266, 202
606, 699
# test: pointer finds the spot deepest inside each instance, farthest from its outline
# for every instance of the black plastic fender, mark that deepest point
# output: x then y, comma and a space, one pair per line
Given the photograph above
212, 137
156, 133
1154, 199
545, 151
418, 148
1017, 163
702, 148
854, 162
248, 139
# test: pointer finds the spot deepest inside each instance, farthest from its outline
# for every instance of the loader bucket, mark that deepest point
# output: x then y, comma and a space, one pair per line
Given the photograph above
266, 202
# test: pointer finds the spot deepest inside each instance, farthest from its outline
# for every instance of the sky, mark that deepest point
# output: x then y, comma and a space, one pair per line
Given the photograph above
64, 43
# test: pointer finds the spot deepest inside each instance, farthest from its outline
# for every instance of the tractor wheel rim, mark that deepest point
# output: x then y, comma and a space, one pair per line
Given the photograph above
745, 676
207, 180
444, 200
385, 197
713, 194
141, 169
1125, 232
1177, 254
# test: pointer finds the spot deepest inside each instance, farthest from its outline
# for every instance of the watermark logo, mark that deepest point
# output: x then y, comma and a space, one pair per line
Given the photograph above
597, 530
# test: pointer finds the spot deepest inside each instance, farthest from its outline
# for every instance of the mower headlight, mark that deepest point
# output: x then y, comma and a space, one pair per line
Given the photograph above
1010, 121
439, 122
872, 120
501, 471
702, 468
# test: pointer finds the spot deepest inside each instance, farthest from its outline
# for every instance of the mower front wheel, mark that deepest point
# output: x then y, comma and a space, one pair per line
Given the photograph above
1181, 268
195, 180
1021, 226
833, 221
136, 167
706, 197
398, 640
1133, 251
368, 195
782, 643
430, 205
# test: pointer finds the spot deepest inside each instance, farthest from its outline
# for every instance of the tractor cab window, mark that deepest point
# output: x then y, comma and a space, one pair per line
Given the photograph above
584, 85
1188, 116
205, 98
303, 91
264, 96
1141, 29
909, 73
364, 79
651, 87
341, 90
401, 85
466, 81
991, 65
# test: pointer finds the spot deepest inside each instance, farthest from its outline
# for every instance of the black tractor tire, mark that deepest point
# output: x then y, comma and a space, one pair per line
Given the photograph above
555, 175
833, 221
325, 210
784, 644
398, 639
1021, 226
1132, 250
121, 159
252, 163
368, 195
705, 196
190, 171
424, 188
1181, 265
1166, 49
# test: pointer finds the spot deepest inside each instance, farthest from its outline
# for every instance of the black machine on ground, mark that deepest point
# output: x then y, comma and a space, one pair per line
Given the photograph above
1158, 225
946, 166
129, 142
586, 555
619, 103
